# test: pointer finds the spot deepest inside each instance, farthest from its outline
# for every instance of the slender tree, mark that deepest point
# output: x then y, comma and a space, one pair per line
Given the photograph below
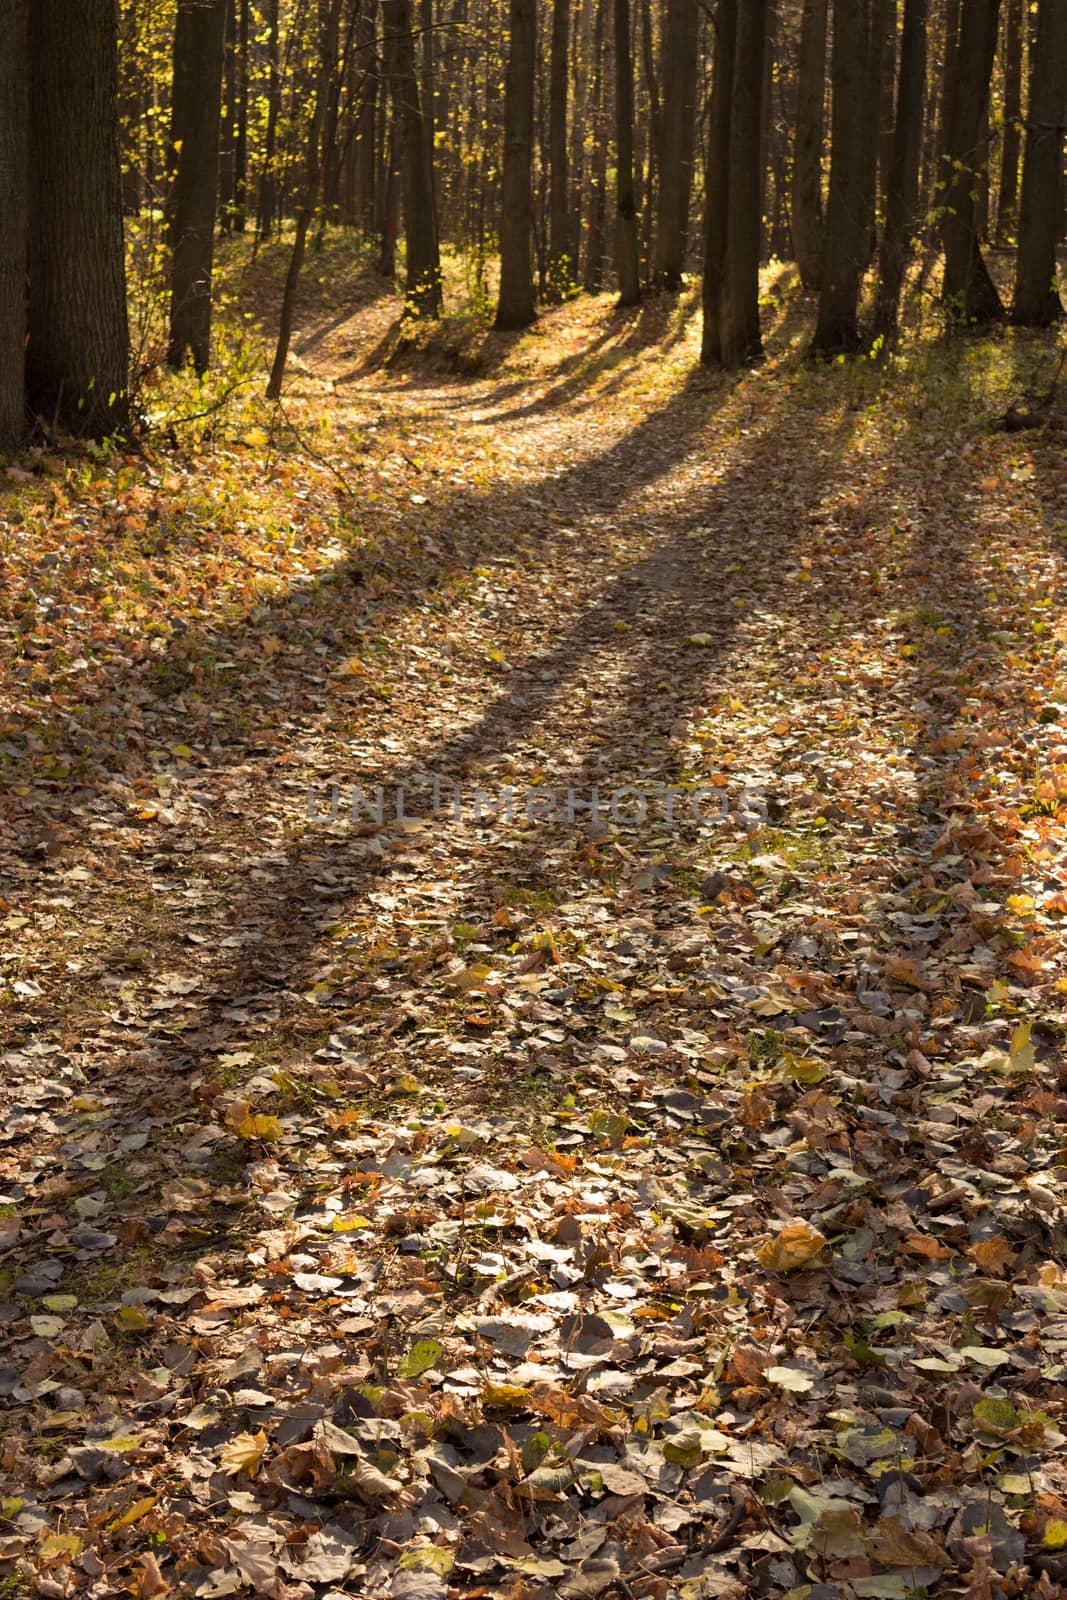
717, 178
14, 213
1011, 144
739, 328
676, 140
1037, 303
515, 306
968, 291
423, 284
626, 262
268, 183
845, 249
561, 268
902, 184
806, 197
77, 353
199, 49
595, 241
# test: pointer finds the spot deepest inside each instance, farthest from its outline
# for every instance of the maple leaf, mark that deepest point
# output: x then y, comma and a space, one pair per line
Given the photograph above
244, 1454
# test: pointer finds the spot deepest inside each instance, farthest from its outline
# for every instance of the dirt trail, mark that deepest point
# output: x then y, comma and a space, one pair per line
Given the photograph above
536, 1207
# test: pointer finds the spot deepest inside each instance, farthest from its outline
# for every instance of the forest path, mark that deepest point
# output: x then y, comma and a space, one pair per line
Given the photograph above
535, 1208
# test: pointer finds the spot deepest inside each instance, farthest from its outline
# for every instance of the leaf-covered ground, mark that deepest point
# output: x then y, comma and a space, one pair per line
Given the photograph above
562, 1207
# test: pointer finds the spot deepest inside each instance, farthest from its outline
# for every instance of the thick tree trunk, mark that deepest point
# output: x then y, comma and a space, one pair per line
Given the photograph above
967, 290
902, 185
77, 355
845, 250
14, 215
515, 306
676, 141
561, 269
423, 276
1037, 303
199, 48
806, 196
739, 328
717, 178
626, 263
268, 184
1008, 190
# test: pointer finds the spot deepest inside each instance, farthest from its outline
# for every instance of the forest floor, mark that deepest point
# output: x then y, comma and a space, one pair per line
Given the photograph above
539, 1206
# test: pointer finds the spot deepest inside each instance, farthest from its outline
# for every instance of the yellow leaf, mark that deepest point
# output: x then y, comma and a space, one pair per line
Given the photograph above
139, 1509
797, 1245
244, 1454
1055, 1534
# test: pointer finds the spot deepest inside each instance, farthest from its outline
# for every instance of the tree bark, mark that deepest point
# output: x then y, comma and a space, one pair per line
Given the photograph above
968, 290
717, 178
199, 48
676, 141
1037, 303
228, 121
515, 306
626, 263
268, 183
593, 278
14, 216
739, 328
902, 186
1008, 189
240, 143
423, 276
77, 355
806, 208
845, 250
561, 269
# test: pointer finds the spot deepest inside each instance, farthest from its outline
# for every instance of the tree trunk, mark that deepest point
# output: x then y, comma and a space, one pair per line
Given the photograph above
845, 250
423, 277
240, 143
1037, 303
872, 105
655, 129
515, 306
593, 278
717, 178
807, 144
364, 157
1008, 189
626, 263
329, 28
968, 290
887, 75
199, 48
676, 141
268, 183
14, 216
561, 269
902, 186
77, 355
228, 121
739, 328
388, 197
766, 137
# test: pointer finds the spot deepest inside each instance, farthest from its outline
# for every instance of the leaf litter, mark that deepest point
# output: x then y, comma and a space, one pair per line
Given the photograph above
561, 1208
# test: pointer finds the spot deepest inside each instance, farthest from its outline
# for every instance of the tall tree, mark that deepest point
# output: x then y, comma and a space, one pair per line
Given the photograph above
676, 140
806, 197
626, 262
845, 249
717, 178
595, 242
515, 305
561, 268
1008, 188
14, 212
199, 49
77, 354
967, 289
1037, 303
739, 329
423, 275
268, 183
902, 183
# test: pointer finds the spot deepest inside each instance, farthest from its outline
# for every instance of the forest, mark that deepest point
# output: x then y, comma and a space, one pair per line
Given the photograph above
533, 799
